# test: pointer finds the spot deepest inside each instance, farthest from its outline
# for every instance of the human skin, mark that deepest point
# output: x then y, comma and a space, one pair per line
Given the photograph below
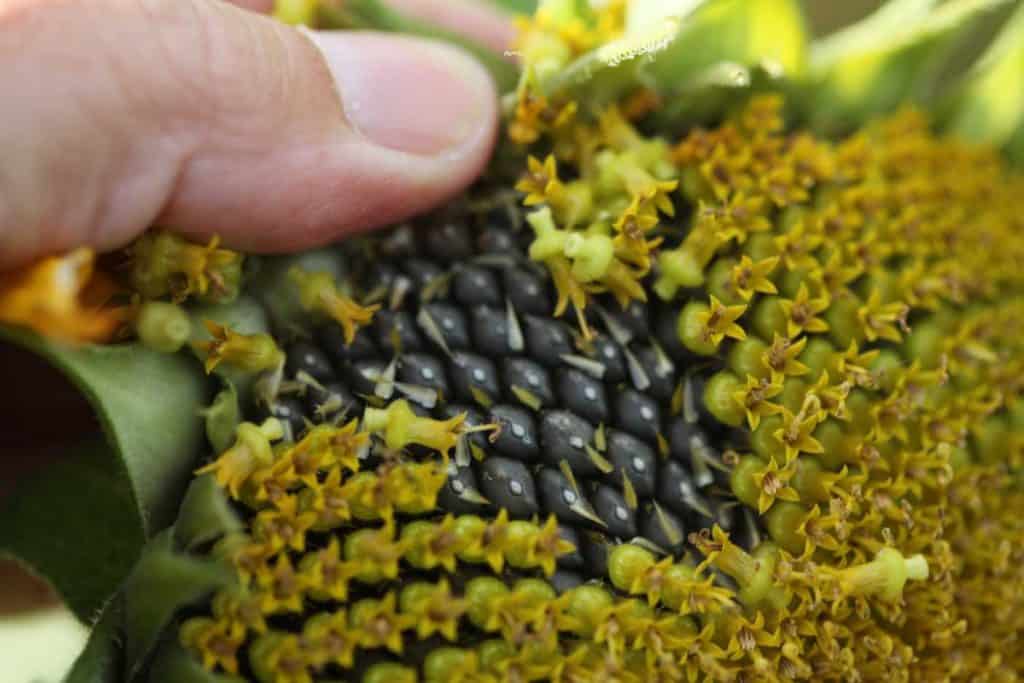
210, 118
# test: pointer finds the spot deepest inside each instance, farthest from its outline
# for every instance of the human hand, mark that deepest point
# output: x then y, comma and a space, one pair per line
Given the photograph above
208, 118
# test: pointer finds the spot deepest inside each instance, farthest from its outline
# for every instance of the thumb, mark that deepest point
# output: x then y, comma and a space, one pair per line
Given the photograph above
210, 119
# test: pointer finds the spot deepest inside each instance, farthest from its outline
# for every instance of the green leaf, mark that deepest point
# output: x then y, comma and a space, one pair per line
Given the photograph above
719, 88
609, 71
101, 660
687, 50
205, 515
891, 19
885, 59
147, 403
988, 106
131, 636
516, 6
222, 417
641, 14
77, 524
748, 32
163, 582
82, 523
172, 663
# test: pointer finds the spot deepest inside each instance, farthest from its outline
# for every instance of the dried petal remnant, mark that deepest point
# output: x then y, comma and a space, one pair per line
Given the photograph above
60, 297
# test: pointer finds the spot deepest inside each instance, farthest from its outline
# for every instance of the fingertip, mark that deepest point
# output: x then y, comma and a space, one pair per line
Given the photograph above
418, 120
250, 130
409, 94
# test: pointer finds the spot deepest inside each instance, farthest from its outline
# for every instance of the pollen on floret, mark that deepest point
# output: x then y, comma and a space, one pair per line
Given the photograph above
319, 294
165, 264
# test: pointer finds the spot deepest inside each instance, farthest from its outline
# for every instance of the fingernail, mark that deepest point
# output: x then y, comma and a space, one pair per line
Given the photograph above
408, 94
